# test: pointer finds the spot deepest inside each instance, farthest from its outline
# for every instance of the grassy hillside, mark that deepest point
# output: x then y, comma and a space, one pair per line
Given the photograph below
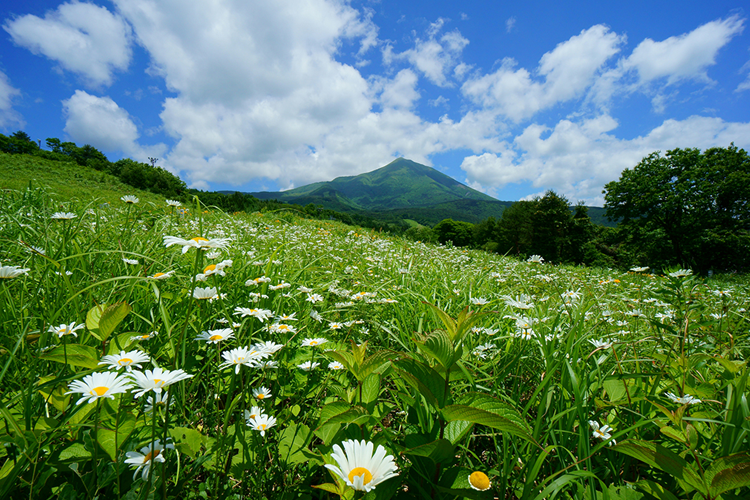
66, 182
401, 183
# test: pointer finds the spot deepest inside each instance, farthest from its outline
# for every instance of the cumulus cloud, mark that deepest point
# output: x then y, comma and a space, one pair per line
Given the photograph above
684, 57
567, 71
579, 158
656, 67
101, 122
436, 56
8, 116
82, 37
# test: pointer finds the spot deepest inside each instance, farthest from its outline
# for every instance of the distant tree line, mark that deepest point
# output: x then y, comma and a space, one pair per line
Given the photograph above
139, 175
687, 208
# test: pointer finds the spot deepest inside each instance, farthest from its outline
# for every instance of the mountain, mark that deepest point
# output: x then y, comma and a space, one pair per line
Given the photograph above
400, 184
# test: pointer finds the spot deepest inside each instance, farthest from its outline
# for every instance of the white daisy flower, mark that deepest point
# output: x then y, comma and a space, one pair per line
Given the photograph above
308, 366
7, 272
64, 329
254, 412
129, 198
262, 423
125, 360
479, 481
157, 400
161, 276
197, 242
687, 399
313, 342
174, 203
148, 455
262, 393
241, 356
132, 262
359, 468
205, 293
100, 385
63, 215
216, 336
156, 380
602, 432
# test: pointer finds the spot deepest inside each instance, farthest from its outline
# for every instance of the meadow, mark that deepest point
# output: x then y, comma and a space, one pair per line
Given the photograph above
155, 350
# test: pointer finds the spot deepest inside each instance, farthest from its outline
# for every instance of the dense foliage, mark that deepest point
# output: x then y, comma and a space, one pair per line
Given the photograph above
149, 351
687, 208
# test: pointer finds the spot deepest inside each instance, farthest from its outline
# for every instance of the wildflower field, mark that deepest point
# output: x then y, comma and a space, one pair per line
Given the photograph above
157, 350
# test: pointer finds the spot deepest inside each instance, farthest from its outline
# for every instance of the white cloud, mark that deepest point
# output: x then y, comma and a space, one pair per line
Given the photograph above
82, 37
510, 23
578, 158
99, 121
8, 94
568, 71
684, 57
435, 57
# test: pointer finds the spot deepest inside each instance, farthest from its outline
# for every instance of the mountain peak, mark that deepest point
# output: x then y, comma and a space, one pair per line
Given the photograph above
402, 183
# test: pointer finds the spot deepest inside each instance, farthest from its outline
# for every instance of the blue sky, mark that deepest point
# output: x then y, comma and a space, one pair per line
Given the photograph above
511, 98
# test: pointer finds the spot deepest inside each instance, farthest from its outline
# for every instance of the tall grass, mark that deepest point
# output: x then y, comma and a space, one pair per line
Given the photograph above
554, 382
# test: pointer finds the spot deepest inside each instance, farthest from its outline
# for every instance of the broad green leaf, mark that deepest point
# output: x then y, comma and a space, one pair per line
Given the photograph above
615, 389
440, 450
54, 395
92, 319
438, 345
111, 440
458, 429
370, 388
423, 378
293, 442
487, 418
728, 473
77, 355
493, 405
338, 413
111, 317
448, 322
189, 441
373, 364
675, 434
662, 458
655, 490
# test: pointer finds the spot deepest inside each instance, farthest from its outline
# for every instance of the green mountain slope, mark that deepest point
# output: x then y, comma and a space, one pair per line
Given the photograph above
402, 183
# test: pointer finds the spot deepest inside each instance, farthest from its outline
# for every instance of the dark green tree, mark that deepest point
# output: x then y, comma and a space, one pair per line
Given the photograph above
457, 232
687, 208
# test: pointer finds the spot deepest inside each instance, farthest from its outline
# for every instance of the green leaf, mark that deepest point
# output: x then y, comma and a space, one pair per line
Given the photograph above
728, 473
77, 355
458, 429
439, 346
428, 382
655, 490
338, 413
370, 388
293, 442
487, 418
494, 405
189, 441
111, 440
438, 451
92, 319
111, 317
662, 458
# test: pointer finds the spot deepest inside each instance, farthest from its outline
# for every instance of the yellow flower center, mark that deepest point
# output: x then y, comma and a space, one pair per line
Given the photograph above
479, 480
240, 359
158, 274
210, 267
215, 337
313, 342
158, 381
360, 471
99, 391
125, 361
151, 455
262, 427
260, 396
199, 239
